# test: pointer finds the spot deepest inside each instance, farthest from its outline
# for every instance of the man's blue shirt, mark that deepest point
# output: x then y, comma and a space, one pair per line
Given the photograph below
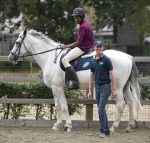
101, 67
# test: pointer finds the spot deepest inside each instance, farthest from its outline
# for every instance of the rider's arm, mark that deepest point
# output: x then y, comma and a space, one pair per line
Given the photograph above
72, 45
80, 37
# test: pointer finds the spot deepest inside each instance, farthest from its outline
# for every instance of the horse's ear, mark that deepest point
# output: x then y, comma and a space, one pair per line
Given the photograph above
25, 32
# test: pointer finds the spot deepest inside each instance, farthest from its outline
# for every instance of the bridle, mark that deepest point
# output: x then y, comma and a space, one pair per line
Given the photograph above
19, 44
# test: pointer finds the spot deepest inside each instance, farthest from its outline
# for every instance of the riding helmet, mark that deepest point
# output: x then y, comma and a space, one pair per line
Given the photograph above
79, 12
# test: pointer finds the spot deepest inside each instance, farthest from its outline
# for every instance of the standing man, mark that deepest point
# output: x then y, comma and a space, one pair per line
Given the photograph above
84, 41
102, 73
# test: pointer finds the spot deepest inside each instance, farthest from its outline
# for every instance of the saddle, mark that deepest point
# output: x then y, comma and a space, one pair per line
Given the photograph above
80, 63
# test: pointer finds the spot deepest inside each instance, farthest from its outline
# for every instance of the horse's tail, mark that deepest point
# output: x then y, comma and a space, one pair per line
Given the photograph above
135, 95
134, 80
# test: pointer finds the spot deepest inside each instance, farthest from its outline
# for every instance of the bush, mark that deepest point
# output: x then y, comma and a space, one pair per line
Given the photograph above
145, 91
31, 90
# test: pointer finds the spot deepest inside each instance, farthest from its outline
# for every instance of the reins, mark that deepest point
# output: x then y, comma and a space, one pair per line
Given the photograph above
58, 47
56, 55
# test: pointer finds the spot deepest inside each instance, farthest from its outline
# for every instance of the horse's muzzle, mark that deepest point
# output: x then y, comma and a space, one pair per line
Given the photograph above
12, 58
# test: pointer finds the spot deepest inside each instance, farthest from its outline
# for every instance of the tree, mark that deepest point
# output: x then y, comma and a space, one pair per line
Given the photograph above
141, 15
52, 17
114, 12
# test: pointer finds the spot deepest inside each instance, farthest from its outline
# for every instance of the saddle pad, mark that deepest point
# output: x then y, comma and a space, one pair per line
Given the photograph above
79, 64
83, 64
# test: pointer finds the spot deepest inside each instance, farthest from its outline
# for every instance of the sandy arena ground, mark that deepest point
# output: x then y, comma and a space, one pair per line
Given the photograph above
78, 135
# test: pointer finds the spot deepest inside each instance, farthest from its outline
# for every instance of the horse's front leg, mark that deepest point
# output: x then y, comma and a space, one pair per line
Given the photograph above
58, 125
59, 93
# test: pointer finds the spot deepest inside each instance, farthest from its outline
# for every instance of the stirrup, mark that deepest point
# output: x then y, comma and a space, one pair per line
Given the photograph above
72, 85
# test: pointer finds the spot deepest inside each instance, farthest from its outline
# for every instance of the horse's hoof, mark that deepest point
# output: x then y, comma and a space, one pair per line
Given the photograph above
57, 127
136, 124
67, 129
112, 129
128, 130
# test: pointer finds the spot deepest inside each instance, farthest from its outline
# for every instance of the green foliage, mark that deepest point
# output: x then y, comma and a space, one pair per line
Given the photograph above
31, 90
146, 92
109, 12
141, 15
114, 12
74, 95
18, 110
52, 17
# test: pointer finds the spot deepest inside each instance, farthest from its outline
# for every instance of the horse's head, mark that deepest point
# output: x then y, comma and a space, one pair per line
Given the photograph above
19, 49
32, 43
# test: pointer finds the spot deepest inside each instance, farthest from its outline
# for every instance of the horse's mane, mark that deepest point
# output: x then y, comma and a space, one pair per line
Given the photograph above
41, 36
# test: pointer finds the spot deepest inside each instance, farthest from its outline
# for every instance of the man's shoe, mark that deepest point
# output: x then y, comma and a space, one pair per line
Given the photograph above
108, 133
102, 135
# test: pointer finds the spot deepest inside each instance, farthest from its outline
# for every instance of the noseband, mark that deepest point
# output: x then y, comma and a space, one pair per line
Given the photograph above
19, 44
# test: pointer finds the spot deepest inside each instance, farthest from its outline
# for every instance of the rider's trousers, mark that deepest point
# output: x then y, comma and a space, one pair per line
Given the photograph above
73, 54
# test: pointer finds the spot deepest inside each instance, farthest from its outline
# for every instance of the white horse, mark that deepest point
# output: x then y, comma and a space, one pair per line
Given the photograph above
44, 51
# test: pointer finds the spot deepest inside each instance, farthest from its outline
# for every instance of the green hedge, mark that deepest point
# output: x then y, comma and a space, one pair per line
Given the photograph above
145, 88
32, 90
39, 90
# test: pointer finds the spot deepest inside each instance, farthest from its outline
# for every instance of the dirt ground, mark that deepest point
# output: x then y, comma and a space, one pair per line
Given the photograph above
78, 135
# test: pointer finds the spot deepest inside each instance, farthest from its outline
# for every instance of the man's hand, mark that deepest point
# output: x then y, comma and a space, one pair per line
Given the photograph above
90, 95
114, 94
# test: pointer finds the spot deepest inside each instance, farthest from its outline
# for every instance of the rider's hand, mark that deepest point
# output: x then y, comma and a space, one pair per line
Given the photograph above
63, 46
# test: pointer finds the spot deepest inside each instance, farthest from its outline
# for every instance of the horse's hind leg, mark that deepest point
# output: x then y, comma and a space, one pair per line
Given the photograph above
128, 92
120, 104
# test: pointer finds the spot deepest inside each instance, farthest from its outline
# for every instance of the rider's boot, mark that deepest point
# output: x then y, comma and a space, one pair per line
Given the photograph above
73, 82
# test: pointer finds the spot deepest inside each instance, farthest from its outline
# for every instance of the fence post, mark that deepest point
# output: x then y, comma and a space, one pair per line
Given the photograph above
89, 110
